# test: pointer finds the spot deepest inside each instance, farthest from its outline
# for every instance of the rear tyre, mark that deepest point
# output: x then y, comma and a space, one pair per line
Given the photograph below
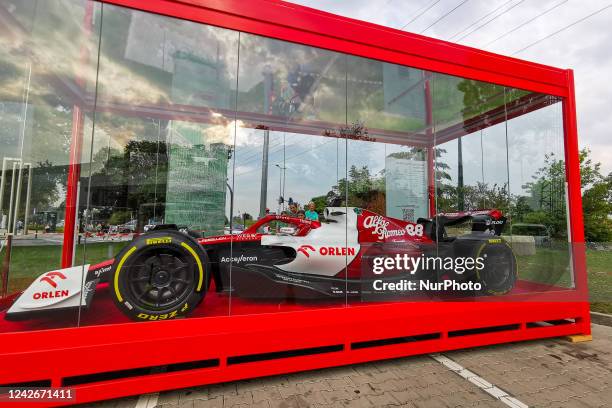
159, 276
499, 274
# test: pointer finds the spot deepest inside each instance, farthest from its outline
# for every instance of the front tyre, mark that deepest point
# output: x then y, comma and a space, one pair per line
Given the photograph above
159, 276
499, 274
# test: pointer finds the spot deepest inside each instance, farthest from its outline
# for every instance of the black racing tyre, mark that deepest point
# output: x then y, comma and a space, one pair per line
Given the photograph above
499, 274
159, 276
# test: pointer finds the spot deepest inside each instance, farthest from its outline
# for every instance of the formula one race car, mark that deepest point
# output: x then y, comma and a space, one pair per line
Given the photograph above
165, 273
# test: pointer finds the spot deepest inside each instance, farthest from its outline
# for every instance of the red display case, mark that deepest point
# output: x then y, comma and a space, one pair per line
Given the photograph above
123, 358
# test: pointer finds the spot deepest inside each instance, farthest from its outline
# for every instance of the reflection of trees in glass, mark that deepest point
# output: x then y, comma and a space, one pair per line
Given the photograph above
46, 193
482, 97
47, 182
131, 183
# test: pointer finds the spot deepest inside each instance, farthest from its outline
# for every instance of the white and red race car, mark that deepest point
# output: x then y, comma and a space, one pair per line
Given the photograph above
166, 273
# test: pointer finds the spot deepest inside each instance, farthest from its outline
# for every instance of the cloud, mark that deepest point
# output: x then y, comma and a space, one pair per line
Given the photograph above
585, 47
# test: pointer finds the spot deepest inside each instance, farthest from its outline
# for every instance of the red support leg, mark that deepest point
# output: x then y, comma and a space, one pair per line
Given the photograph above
431, 171
74, 175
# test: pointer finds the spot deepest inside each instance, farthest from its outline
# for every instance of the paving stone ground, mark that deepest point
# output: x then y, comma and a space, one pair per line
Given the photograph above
542, 373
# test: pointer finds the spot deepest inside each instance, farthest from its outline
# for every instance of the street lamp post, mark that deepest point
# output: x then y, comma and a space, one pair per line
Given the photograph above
281, 173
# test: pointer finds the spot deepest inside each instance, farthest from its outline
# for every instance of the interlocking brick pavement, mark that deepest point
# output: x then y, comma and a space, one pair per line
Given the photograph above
543, 373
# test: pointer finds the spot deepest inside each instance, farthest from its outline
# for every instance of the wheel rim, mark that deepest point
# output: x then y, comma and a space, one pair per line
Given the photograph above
161, 280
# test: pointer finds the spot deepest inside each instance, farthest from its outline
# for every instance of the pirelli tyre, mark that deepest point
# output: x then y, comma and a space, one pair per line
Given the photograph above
159, 276
499, 274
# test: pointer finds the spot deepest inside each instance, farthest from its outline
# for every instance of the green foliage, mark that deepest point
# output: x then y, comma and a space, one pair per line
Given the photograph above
596, 199
320, 202
547, 198
484, 196
119, 217
597, 208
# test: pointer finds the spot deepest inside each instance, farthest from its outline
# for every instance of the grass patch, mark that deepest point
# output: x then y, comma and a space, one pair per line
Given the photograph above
599, 265
28, 262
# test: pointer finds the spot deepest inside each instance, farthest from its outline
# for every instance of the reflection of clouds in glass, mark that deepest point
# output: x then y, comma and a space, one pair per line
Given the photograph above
311, 168
69, 51
208, 133
530, 138
247, 136
155, 40
260, 54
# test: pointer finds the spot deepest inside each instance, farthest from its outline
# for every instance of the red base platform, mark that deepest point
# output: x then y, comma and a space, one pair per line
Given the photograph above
114, 360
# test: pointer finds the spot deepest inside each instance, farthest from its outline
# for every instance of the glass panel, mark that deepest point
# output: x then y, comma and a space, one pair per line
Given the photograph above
47, 50
537, 180
498, 149
160, 156
472, 189
289, 152
387, 180
266, 175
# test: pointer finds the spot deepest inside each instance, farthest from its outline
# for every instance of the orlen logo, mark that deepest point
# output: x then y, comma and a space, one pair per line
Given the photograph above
50, 294
327, 251
50, 276
303, 249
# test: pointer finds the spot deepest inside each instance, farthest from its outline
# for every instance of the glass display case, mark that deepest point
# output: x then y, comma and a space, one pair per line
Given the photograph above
157, 165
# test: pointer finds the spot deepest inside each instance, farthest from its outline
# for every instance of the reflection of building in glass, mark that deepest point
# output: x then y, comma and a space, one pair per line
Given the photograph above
402, 94
200, 81
197, 161
197, 173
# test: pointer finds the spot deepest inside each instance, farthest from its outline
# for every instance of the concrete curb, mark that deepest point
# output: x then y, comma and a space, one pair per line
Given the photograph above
601, 318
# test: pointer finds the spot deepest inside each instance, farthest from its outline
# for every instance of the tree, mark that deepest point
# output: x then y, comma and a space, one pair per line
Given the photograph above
47, 180
597, 208
519, 208
482, 196
547, 198
362, 189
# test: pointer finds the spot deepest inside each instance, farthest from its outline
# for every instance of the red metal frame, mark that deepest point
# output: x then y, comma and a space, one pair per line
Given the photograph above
55, 355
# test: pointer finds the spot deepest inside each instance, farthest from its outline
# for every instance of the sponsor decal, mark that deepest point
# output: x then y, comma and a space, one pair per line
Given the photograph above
164, 316
379, 227
337, 251
102, 271
213, 239
305, 248
238, 259
87, 288
161, 240
327, 250
244, 237
289, 279
49, 277
52, 294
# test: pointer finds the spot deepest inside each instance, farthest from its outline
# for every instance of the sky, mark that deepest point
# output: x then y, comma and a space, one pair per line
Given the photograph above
585, 47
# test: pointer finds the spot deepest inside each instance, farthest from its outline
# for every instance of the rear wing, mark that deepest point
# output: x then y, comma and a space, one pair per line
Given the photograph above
492, 221
482, 220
